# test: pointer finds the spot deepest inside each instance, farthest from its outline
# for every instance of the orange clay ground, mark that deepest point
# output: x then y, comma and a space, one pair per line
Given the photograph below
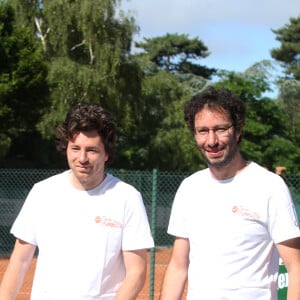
162, 256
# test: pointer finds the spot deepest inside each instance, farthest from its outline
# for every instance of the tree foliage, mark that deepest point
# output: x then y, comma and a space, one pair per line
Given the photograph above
289, 50
86, 45
23, 87
57, 53
266, 124
289, 99
288, 53
177, 53
167, 84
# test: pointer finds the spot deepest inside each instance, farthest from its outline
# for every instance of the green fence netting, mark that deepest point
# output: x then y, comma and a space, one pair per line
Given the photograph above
157, 188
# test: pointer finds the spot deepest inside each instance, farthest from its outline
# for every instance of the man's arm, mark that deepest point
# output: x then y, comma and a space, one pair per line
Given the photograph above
17, 268
177, 270
136, 268
289, 252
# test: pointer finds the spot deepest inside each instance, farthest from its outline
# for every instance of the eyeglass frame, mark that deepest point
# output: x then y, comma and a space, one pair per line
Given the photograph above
220, 131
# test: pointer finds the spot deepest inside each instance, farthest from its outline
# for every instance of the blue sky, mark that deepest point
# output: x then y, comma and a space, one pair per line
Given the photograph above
236, 32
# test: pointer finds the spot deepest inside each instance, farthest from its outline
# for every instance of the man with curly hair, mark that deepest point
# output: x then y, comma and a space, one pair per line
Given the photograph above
233, 220
90, 228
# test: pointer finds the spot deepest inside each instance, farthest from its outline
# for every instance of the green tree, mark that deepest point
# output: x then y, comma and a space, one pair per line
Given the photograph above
177, 53
288, 54
159, 92
266, 123
289, 50
164, 141
87, 47
23, 87
174, 146
289, 98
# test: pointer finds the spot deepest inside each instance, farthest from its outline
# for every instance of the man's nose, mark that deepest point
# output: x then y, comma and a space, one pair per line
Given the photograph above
212, 138
83, 156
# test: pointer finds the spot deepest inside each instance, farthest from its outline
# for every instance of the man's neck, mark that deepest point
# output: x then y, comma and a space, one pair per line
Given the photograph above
233, 168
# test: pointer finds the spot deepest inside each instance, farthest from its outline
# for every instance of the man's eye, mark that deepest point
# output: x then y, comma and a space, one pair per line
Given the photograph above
93, 150
221, 129
202, 131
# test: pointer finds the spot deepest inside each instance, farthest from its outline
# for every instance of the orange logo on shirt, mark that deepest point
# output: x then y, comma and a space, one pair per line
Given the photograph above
245, 212
106, 221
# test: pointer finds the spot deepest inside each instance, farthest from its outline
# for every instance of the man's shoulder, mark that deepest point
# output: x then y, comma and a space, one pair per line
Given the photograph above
197, 176
201, 173
54, 179
263, 176
116, 183
258, 169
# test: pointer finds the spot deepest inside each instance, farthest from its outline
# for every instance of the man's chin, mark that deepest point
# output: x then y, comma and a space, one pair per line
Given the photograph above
216, 163
82, 176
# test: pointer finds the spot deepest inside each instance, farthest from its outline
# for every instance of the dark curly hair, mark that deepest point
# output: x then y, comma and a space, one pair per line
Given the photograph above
88, 117
222, 100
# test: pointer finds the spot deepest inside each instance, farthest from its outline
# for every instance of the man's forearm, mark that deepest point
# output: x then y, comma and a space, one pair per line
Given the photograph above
12, 281
173, 284
294, 287
131, 287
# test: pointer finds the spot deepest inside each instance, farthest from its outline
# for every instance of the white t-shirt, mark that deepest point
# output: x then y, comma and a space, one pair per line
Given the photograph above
233, 226
81, 235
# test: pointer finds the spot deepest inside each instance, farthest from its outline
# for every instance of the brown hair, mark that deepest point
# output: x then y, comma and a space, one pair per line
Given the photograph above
88, 117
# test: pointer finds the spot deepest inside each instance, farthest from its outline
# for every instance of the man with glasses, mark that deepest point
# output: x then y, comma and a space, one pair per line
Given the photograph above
233, 220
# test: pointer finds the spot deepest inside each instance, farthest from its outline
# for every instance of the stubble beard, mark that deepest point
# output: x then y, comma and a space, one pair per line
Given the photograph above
222, 162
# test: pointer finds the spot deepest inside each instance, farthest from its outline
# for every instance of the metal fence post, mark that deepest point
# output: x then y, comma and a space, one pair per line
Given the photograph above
153, 226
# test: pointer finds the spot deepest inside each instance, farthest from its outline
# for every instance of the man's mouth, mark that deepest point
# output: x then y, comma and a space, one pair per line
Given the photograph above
83, 169
214, 153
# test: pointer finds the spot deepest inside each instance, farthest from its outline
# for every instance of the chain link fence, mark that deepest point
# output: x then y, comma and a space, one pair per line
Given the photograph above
157, 188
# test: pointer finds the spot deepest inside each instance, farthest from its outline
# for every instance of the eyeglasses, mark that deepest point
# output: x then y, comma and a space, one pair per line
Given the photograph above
219, 131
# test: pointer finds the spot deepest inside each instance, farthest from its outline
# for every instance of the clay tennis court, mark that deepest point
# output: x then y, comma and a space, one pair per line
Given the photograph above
162, 256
